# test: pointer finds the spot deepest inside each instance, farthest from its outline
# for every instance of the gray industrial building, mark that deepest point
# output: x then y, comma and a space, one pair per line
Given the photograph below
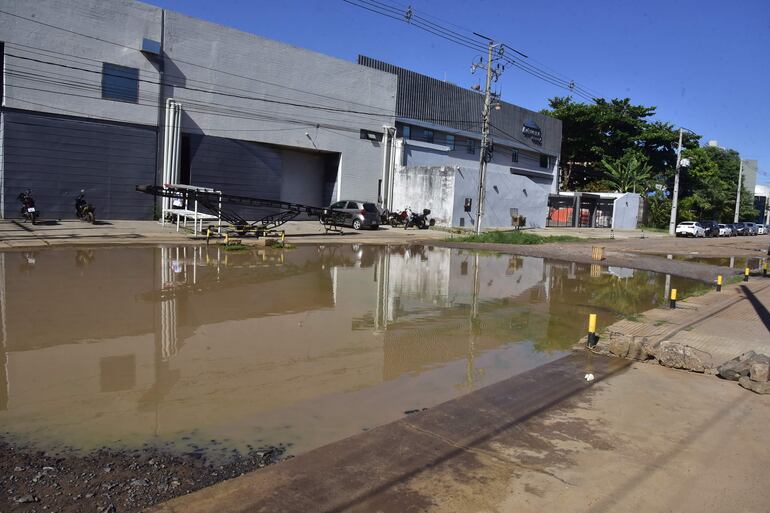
85, 85
86, 90
434, 162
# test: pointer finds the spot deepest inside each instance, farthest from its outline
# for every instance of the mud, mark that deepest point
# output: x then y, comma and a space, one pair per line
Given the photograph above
111, 481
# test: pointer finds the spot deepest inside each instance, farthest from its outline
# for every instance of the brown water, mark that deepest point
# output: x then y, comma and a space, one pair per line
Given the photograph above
197, 348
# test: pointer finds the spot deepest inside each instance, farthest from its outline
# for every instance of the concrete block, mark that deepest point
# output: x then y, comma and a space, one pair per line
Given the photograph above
759, 371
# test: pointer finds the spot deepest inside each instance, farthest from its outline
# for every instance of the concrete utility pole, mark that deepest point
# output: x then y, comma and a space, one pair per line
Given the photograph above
738, 194
491, 74
675, 195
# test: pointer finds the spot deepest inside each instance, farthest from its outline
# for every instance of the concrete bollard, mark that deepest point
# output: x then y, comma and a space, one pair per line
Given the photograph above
672, 299
592, 339
719, 283
746, 274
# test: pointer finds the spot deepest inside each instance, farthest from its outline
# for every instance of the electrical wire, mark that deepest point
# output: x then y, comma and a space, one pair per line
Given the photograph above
456, 37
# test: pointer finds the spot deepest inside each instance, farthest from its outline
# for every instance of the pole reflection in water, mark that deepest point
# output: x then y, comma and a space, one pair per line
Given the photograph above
179, 346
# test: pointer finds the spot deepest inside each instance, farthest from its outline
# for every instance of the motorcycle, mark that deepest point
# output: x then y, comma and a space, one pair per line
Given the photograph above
396, 219
84, 210
28, 210
421, 221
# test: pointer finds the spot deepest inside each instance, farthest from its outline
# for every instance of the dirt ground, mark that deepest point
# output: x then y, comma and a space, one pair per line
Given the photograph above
110, 481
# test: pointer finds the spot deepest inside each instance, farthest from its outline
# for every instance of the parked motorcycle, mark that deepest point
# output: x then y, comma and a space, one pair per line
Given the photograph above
396, 219
84, 210
421, 221
28, 210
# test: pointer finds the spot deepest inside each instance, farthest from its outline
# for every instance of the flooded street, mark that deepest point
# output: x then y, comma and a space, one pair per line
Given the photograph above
198, 350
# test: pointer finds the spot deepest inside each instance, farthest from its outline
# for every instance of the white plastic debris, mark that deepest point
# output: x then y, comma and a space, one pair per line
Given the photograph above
589, 377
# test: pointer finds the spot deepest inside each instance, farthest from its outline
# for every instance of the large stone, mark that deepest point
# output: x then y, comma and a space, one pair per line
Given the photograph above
623, 346
679, 356
741, 366
759, 371
755, 386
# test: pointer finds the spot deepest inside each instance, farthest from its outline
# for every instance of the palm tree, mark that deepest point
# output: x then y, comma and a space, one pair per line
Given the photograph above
628, 173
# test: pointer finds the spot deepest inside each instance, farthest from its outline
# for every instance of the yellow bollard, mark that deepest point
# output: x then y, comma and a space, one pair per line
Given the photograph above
672, 299
283, 236
746, 273
719, 283
592, 339
764, 268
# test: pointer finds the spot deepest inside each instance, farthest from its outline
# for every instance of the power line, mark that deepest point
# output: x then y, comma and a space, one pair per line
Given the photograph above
453, 36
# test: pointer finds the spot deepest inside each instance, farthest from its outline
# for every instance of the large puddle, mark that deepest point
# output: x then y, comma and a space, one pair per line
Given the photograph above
197, 349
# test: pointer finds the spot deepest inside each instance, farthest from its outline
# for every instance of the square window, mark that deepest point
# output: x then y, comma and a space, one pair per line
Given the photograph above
515, 156
120, 83
450, 141
544, 161
427, 136
406, 132
471, 148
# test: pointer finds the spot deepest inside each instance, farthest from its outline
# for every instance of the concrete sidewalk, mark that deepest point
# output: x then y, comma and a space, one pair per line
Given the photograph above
640, 437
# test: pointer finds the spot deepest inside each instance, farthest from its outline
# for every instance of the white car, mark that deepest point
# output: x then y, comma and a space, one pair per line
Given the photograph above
690, 229
761, 229
725, 231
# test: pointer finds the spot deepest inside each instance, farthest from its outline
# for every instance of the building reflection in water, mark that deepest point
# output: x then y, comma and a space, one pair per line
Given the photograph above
305, 345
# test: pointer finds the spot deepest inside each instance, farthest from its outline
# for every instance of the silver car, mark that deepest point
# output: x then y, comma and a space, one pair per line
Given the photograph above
365, 214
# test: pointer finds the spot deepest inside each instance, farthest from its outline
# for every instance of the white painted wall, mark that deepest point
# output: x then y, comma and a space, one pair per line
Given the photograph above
426, 187
626, 211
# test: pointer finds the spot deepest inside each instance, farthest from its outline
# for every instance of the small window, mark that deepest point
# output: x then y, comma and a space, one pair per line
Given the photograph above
406, 132
544, 161
471, 148
120, 83
371, 135
427, 136
515, 155
450, 141
339, 204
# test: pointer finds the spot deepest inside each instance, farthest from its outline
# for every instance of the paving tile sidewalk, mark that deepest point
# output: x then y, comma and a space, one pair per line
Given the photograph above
724, 324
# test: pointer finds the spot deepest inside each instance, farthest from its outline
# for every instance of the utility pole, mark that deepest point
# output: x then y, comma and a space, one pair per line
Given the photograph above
738, 194
675, 195
485, 139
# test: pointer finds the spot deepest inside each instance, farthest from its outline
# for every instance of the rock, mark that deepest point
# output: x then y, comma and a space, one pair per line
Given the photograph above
140, 482
107, 509
678, 356
741, 366
26, 499
759, 371
754, 386
18, 469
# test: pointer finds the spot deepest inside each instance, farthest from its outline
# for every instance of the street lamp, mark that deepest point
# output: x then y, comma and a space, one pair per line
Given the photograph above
680, 162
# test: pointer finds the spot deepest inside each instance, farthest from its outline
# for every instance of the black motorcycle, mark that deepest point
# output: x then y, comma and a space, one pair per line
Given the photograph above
28, 210
421, 221
84, 210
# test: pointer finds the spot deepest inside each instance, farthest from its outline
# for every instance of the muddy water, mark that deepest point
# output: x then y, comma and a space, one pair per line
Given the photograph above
197, 349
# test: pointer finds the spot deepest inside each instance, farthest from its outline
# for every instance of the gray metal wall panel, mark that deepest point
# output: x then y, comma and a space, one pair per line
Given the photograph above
429, 99
56, 157
236, 167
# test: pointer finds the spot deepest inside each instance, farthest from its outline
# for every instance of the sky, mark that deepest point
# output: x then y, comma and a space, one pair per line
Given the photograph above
704, 64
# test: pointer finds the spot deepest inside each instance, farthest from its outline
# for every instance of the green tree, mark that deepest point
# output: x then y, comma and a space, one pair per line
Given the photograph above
629, 173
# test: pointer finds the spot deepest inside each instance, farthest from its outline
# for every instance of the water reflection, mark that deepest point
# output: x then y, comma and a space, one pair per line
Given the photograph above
179, 346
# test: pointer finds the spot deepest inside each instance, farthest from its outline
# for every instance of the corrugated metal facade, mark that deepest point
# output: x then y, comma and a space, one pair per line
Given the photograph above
56, 157
425, 98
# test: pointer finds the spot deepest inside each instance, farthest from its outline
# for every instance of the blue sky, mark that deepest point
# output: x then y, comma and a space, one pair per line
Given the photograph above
704, 64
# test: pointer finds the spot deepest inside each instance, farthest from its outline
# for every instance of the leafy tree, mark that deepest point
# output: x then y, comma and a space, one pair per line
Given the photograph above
629, 173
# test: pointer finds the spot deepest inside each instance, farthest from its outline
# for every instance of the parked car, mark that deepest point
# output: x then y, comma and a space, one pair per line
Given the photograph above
733, 230
364, 214
761, 229
725, 230
751, 228
690, 229
740, 228
711, 228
